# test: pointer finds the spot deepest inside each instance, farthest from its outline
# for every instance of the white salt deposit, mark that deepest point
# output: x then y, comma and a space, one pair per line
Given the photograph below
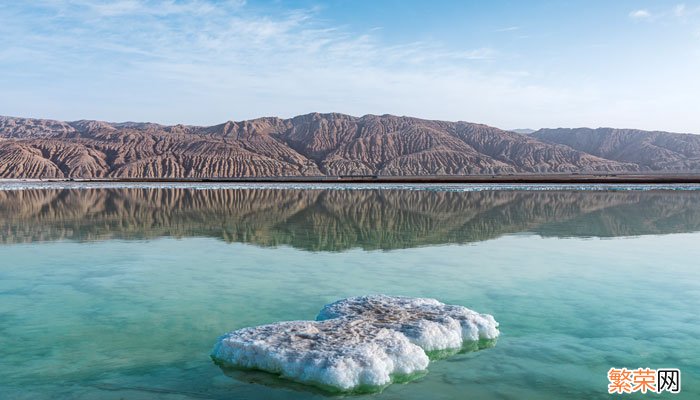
359, 342
27, 184
428, 323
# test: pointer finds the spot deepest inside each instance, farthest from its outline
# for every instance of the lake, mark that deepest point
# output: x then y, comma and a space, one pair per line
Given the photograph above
121, 291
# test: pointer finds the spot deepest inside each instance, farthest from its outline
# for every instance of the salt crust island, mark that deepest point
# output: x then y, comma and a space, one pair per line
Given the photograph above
359, 344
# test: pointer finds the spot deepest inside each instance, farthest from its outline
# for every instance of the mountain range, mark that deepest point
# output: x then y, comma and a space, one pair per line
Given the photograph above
328, 145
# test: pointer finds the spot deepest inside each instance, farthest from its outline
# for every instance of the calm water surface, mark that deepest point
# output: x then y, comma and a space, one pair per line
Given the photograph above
121, 292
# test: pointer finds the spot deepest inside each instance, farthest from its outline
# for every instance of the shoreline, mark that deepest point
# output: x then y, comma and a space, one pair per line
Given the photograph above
661, 178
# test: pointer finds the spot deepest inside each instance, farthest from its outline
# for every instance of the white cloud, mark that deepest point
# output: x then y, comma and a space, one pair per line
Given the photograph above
278, 62
640, 14
211, 61
119, 8
679, 10
686, 13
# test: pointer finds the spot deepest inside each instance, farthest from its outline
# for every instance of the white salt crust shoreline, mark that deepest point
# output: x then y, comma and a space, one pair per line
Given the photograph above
359, 342
22, 184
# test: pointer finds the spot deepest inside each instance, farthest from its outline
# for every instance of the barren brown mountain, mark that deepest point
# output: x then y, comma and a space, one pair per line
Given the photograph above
324, 144
654, 151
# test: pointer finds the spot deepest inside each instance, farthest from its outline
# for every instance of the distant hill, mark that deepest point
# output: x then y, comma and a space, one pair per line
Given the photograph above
524, 131
655, 151
326, 144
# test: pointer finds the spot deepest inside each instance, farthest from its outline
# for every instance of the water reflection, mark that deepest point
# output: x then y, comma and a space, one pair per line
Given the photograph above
335, 220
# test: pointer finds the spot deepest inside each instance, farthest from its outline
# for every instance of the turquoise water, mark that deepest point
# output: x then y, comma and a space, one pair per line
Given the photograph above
115, 293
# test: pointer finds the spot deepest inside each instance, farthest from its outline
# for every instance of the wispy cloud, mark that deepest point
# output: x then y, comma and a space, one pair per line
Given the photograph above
199, 61
640, 14
678, 15
218, 48
679, 11
117, 8
221, 33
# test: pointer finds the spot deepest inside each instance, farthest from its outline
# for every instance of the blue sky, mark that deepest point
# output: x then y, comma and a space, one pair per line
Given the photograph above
511, 64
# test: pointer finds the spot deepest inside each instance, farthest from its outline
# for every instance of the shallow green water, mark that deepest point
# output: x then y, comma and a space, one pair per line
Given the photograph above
121, 293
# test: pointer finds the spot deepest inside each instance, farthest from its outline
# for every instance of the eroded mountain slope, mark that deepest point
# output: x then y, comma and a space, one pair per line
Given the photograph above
324, 144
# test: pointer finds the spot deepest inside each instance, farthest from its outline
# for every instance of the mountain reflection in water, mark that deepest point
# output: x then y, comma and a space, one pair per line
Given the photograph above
336, 220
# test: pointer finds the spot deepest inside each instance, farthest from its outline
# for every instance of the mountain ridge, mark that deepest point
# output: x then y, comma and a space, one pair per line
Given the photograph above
330, 144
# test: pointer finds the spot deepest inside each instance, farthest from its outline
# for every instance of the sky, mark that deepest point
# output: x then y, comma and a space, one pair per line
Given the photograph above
509, 64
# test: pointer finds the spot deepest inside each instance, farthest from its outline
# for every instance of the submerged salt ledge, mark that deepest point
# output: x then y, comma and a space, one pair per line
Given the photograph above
356, 342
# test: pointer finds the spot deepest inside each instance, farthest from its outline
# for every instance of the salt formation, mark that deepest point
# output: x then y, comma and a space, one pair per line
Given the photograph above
427, 323
357, 343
